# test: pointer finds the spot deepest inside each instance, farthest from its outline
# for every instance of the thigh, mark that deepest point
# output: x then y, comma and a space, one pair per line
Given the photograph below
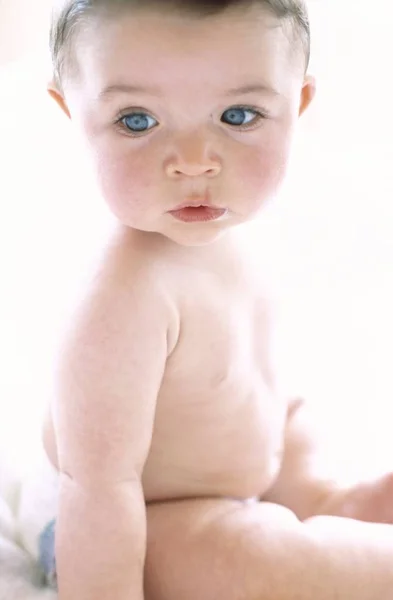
208, 549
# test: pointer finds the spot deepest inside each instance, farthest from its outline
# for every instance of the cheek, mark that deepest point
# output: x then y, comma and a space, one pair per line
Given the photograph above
125, 180
264, 165
265, 169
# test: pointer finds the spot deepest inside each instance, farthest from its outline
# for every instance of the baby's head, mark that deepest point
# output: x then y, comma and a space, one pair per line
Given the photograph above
154, 87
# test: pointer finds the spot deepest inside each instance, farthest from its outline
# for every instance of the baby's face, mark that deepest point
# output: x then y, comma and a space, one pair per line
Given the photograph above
187, 132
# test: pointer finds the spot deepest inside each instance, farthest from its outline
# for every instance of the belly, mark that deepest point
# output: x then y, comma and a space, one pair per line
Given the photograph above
230, 448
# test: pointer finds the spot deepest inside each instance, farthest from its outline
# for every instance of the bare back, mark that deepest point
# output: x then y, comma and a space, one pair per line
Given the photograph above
219, 420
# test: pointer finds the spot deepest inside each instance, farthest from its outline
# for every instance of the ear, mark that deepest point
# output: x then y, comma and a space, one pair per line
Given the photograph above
308, 93
58, 97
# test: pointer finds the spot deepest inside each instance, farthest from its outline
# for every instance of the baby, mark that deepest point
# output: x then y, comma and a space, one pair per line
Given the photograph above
185, 470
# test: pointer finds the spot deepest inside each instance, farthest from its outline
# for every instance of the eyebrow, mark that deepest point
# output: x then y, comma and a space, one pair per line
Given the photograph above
122, 88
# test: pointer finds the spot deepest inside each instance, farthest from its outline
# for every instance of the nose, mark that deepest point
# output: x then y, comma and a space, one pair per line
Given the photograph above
193, 158
191, 170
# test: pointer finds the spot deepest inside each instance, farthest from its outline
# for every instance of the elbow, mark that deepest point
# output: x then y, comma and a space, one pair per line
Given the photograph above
91, 483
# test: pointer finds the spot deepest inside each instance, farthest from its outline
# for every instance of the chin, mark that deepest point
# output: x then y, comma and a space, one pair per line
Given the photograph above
185, 234
198, 233
193, 239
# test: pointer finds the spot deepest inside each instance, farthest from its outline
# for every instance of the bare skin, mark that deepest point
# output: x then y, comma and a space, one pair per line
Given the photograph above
169, 413
210, 479
219, 383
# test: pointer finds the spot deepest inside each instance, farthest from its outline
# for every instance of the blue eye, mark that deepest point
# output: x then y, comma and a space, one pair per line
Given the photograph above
236, 117
137, 122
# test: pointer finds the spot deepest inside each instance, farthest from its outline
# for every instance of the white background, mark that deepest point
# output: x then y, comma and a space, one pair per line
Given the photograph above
331, 229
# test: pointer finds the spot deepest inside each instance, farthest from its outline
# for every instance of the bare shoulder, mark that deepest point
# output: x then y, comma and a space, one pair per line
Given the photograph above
128, 283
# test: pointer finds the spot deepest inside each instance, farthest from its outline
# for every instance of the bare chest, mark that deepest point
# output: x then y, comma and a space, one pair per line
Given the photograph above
219, 421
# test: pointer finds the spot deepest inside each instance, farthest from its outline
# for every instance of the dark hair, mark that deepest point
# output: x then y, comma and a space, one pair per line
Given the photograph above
73, 13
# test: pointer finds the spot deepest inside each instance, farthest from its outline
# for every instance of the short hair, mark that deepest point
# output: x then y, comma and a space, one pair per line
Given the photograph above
72, 13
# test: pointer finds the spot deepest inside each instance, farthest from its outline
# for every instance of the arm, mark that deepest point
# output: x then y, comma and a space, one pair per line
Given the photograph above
304, 484
301, 485
108, 381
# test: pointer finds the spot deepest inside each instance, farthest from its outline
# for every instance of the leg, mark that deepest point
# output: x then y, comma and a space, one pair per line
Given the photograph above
213, 549
224, 549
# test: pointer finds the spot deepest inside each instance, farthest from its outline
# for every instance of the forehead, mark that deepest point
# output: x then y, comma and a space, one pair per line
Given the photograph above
172, 51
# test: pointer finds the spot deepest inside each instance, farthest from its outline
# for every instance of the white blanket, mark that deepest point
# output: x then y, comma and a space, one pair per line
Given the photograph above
27, 504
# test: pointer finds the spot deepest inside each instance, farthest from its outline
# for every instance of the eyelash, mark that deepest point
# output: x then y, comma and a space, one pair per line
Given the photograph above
127, 113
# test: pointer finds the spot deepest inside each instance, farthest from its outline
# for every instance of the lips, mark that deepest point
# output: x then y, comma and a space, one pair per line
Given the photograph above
197, 213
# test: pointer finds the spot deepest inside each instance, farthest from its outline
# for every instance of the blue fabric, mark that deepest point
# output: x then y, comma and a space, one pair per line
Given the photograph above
47, 557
